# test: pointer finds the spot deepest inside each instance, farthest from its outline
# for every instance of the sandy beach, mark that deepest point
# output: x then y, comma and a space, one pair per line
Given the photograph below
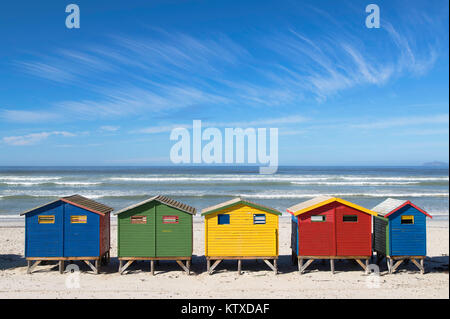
257, 281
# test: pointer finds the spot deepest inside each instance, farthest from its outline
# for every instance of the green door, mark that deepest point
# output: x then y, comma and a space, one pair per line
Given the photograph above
173, 232
137, 231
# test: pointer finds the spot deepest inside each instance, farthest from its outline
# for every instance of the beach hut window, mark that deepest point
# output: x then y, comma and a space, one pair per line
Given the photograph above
259, 219
138, 219
318, 218
350, 218
78, 219
46, 219
407, 219
223, 219
170, 219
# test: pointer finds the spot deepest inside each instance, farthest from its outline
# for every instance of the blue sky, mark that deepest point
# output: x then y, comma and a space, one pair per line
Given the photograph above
110, 92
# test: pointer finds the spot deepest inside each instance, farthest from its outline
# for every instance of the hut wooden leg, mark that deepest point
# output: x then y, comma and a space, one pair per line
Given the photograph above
300, 265
94, 268
390, 264
124, 267
214, 265
208, 265
180, 263
32, 266
239, 266
152, 267
361, 264
273, 267
188, 266
61, 266
422, 271
97, 266
120, 266
332, 265
28, 267
397, 264
367, 266
420, 266
303, 267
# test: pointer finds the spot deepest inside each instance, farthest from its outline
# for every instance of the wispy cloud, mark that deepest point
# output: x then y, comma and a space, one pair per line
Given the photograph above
404, 121
134, 100
46, 71
21, 116
271, 122
33, 138
109, 128
170, 70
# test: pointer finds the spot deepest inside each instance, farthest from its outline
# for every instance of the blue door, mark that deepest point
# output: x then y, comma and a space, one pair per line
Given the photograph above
408, 232
81, 232
44, 231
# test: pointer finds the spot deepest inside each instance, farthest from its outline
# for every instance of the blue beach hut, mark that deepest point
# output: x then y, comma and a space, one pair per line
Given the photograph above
69, 228
400, 233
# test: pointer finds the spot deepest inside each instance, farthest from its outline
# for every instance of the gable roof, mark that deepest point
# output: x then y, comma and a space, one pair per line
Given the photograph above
163, 200
79, 201
237, 201
319, 201
391, 205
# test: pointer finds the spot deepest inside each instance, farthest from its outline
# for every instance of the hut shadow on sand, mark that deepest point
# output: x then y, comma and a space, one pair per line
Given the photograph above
11, 261
437, 264
285, 266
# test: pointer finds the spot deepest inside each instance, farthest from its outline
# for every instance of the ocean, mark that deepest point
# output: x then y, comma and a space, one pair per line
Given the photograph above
22, 188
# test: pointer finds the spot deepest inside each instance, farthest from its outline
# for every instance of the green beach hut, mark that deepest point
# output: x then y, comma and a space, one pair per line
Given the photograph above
158, 228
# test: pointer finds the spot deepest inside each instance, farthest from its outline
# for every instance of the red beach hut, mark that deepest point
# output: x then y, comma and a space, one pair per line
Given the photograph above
330, 228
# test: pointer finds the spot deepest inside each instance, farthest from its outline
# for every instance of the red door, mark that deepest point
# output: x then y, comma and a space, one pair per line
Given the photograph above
316, 232
353, 232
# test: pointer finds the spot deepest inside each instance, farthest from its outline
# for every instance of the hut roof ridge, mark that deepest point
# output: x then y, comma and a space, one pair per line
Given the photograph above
164, 200
322, 200
236, 201
80, 201
391, 205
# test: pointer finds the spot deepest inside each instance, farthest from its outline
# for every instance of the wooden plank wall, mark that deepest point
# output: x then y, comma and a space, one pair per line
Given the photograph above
380, 235
241, 237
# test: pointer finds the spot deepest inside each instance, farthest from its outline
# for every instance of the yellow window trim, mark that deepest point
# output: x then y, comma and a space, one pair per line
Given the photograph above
408, 218
335, 199
78, 219
46, 219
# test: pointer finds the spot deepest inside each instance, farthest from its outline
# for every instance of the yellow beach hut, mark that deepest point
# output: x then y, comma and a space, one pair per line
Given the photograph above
239, 229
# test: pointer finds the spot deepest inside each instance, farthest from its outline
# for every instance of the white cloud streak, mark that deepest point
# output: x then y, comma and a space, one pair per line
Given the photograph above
109, 128
272, 122
404, 121
33, 138
172, 70
20, 116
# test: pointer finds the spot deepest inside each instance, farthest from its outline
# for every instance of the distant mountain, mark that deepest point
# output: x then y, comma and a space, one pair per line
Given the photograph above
435, 164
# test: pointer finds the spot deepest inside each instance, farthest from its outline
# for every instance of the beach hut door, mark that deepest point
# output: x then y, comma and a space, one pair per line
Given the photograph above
316, 234
81, 232
352, 228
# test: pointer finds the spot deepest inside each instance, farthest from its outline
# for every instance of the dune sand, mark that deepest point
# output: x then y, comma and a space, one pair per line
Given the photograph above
257, 281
